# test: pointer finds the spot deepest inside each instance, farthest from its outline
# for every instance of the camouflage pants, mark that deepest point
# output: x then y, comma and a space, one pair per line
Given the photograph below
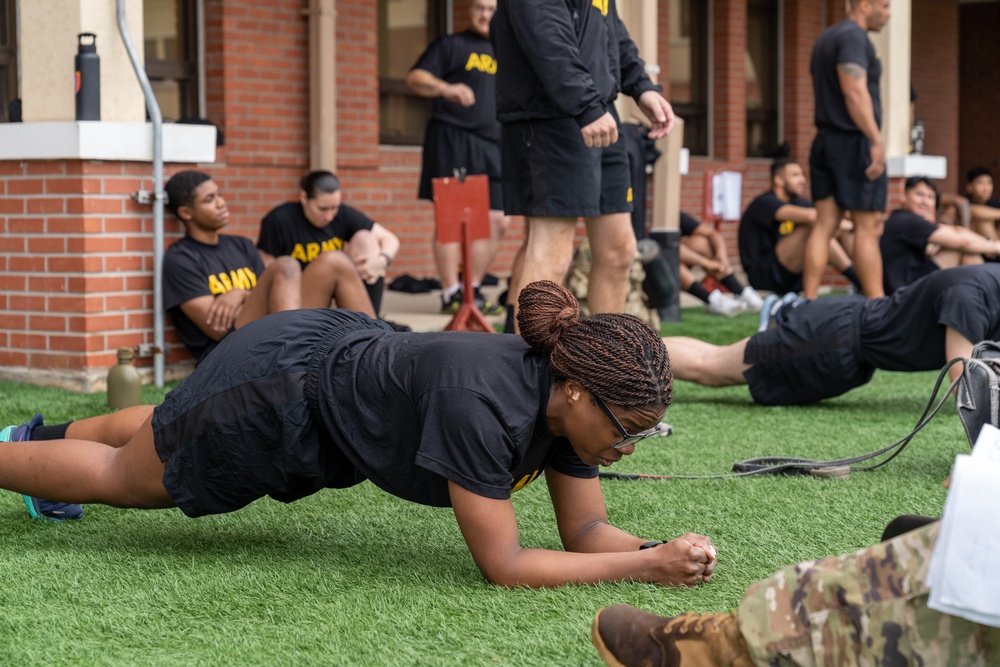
578, 282
866, 608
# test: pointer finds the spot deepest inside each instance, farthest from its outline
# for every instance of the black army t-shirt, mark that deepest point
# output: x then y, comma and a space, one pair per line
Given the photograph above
192, 269
760, 231
413, 411
904, 249
285, 230
843, 42
468, 58
906, 331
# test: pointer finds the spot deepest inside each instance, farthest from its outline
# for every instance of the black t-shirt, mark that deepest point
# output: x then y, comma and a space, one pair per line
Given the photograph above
192, 269
412, 411
904, 249
688, 224
760, 230
468, 58
285, 230
843, 42
906, 331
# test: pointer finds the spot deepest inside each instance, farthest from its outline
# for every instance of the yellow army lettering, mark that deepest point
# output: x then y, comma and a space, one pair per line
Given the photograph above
482, 62
308, 252
243, 278
525, 481
602, 5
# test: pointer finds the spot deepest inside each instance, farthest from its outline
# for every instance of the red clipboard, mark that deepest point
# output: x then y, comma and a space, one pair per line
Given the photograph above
462, 215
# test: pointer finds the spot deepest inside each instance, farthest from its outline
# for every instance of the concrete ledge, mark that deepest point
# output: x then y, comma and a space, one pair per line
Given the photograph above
931, 166
98, 140
88, 381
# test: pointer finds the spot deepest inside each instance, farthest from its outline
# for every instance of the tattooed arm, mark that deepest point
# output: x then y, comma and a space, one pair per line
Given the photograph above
854, 84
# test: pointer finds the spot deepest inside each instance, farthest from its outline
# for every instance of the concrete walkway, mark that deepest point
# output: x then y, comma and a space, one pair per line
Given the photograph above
421, 311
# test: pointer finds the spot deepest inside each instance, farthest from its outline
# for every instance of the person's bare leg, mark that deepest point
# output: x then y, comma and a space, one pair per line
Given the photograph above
791, 249
549, 250
700, 244
687, 278
839, 259
447, 257
84, 471
956, 345
515, 283
867, 254
114, 429
706, 364
278, 288
332, 276
828, 215
612, 248
948, 259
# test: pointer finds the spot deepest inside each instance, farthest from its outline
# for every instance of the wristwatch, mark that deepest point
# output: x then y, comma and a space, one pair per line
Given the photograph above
650, 545
388, 260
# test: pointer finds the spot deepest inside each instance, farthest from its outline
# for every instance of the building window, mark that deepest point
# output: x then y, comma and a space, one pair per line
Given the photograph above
405, 28
8, 58
762, 77
689, 70
171, 54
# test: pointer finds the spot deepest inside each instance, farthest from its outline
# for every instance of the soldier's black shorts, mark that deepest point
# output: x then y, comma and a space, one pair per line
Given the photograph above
837, 163
772, 276
549, 172
814, 354
242, 426
447, 148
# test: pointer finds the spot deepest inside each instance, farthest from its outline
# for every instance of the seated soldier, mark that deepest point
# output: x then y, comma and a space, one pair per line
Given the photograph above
984, 209
215, 283
702, 246
822, 348
913, 245
773, 232
319, 222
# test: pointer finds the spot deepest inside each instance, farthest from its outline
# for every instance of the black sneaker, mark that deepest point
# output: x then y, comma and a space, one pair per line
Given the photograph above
451, 305
487, 307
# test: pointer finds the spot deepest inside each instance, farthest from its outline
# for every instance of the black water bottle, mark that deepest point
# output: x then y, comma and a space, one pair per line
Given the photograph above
88, 78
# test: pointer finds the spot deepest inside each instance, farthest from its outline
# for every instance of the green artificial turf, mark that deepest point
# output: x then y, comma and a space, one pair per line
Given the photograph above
356, 577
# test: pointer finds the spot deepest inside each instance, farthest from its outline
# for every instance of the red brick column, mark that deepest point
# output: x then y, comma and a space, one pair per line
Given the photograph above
803, 23
729, 112
75, 269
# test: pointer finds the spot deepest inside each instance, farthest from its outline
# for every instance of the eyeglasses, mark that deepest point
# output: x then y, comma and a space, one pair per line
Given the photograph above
627, 438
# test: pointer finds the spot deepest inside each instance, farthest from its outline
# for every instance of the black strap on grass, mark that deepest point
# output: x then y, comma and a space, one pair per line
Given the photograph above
783, 465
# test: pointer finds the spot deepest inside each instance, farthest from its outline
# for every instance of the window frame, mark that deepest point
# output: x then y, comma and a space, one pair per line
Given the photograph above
698, 115
768, 117
186, 70
392, 89
8, 57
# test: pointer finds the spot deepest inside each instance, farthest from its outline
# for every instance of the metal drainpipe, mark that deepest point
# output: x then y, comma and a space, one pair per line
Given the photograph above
159, 345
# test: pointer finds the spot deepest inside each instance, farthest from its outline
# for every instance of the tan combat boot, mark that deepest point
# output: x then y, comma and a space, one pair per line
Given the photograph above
629, 637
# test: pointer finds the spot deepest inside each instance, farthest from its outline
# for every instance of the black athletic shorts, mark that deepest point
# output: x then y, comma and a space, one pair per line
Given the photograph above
837, 164
774, 277
447, 148
549, 172
245, 425
814, 354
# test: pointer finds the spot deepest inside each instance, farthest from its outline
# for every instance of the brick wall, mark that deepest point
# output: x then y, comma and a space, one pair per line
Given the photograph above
75, 267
